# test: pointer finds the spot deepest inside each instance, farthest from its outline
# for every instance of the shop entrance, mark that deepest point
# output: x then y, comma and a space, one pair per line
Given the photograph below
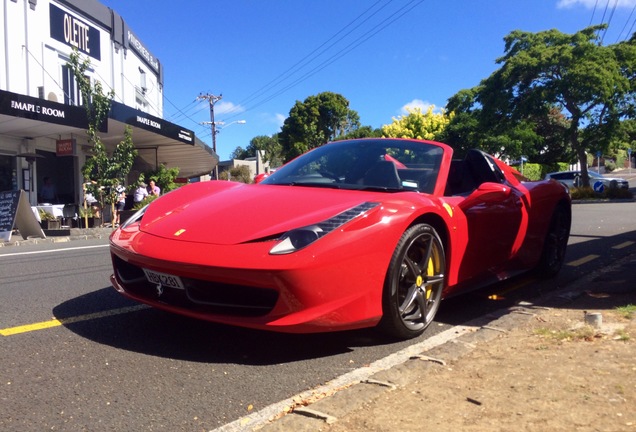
61, 172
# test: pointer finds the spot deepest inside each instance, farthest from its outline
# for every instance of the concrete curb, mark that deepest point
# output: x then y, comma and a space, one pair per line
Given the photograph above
311, 410
67, 235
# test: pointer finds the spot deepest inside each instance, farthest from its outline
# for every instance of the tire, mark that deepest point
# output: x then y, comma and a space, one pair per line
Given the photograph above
555, 244
414, 283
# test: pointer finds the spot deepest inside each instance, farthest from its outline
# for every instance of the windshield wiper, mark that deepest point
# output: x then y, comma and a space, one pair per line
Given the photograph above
380, 189
310, 184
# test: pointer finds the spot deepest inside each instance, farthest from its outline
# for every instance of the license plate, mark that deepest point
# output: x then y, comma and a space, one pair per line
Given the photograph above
163, 279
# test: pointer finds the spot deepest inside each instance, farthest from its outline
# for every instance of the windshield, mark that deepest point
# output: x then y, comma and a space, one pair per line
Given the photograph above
368, 164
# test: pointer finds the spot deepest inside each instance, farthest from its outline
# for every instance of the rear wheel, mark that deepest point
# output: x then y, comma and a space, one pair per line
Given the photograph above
556, 243
414, 283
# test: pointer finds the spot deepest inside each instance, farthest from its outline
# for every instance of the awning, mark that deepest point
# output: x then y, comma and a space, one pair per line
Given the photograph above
158, 141
161, 142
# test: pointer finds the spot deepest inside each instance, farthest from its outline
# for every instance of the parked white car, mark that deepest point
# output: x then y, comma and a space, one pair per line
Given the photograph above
573, 179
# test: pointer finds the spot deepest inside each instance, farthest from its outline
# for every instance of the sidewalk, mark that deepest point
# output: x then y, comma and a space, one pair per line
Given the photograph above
537, 367
60, 236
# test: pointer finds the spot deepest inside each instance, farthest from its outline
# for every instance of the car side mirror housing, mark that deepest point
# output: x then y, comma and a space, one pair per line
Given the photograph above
486, 193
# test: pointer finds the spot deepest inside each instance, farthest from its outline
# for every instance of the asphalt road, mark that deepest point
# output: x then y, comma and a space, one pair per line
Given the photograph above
74, 355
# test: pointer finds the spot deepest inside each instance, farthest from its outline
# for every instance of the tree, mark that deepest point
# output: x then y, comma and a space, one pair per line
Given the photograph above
238, 174
418, 125
541, 137
241, 154
624, 140
269, 147
101, 172
362, 132
552, 145
318, 119
593, 86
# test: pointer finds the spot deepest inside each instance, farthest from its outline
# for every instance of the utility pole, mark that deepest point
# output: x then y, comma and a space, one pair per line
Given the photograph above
212, 99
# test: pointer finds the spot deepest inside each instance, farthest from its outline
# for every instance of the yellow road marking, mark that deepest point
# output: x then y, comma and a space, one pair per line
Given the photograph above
623, 245
584, 260
62, 321
30, 327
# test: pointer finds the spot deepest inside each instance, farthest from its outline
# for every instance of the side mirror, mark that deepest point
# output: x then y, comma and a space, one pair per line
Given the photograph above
486, 193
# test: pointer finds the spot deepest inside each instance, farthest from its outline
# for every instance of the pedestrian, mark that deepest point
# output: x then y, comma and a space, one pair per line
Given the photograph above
48, 193
153, 189
120, 204
140, 193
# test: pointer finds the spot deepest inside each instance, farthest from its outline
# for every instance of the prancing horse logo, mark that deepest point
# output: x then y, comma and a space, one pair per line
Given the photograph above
159, 290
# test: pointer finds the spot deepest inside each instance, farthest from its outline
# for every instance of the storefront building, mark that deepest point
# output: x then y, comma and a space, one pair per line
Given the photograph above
42, 125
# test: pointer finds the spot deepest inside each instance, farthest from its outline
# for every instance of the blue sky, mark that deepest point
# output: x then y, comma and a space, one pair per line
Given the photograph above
383, 56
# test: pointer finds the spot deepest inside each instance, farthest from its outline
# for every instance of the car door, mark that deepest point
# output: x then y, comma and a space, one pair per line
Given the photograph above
495, 224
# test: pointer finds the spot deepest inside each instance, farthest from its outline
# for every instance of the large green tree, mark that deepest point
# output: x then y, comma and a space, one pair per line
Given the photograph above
102, 172
591, 85
320, 118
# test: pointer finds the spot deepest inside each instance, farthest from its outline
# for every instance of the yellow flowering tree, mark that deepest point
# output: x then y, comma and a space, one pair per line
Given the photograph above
418, 125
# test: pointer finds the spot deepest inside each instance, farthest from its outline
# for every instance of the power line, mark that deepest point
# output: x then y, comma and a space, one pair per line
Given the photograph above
593, 12
609, 20
626, 24
631, 29
357, 42
276, 87
314, 54
605, 11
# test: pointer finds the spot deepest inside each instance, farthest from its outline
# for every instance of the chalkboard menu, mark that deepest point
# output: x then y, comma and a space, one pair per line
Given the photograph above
8, 209
16, 211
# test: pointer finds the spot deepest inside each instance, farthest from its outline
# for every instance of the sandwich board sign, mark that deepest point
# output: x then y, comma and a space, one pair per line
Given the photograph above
15, 211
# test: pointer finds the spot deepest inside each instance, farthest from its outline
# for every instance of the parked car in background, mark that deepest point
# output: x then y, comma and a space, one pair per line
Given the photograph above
573, 179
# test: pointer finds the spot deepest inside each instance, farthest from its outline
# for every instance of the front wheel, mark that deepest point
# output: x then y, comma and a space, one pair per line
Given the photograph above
414, 283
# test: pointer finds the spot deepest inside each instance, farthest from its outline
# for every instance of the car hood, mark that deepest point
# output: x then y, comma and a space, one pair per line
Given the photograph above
226, 213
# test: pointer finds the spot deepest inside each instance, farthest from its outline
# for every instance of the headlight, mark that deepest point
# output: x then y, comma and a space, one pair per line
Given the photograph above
135, 217
299, 238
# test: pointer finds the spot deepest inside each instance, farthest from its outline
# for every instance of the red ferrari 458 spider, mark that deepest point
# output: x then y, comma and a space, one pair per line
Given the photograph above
357, 233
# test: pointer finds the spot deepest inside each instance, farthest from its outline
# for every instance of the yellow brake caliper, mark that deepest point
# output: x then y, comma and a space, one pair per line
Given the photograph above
430, 271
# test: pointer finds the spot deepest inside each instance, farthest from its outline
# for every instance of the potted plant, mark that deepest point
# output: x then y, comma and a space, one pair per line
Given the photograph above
90, 214
48, 221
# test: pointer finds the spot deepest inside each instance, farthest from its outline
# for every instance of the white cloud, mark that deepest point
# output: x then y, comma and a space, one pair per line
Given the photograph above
416, 103
590, 4
272, 119
225, 107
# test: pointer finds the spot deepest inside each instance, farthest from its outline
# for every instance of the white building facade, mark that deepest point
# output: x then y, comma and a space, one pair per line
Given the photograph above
42, 123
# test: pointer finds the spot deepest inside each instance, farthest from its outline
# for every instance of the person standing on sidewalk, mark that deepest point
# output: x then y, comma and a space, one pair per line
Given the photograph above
140, 193
120, 204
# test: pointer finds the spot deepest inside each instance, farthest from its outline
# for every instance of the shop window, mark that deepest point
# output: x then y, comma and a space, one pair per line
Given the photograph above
72, 93
142, 81
8, 173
